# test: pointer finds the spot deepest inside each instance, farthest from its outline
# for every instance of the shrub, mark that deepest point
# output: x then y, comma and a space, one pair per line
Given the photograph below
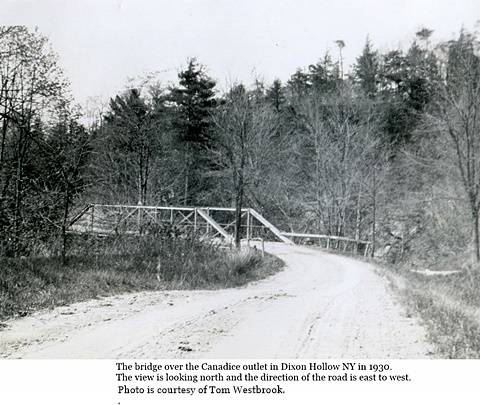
111, 265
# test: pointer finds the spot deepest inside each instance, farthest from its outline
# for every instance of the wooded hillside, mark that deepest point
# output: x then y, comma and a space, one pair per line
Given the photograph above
385, 151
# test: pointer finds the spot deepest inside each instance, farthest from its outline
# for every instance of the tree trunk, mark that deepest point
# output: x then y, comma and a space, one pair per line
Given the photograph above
374, 210
475, 237
4, 99
4, 137
187, 172
18, 195
66, 204
238, 211
358, 219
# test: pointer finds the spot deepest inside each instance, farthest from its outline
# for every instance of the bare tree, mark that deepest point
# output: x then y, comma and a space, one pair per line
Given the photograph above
457, 116
31, 85
245, 130
65, 159
131, 133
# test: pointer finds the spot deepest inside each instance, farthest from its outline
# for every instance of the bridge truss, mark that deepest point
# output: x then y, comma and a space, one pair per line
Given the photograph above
208, 222
212, 222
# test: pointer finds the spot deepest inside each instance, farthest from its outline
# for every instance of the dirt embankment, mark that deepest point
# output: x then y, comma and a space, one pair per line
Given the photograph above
321, 306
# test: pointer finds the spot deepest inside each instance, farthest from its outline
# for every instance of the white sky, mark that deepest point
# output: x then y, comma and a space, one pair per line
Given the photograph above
102, 42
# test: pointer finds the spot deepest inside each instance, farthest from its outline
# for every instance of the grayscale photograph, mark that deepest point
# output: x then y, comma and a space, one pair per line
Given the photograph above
254, 179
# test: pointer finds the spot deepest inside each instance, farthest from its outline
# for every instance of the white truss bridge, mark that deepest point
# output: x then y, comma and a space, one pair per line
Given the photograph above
211, 222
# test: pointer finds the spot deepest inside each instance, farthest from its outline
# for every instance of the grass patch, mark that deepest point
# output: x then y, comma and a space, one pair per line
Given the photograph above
449, 307
114, 265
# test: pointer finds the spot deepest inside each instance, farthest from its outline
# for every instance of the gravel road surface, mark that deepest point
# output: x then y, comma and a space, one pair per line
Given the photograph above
321, 306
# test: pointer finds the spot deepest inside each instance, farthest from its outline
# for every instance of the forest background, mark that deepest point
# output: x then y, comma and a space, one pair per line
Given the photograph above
386, 151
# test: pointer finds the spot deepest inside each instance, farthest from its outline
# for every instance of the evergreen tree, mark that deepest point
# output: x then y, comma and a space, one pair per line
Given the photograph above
406, 82
366, 70
276, 95
324, 76
193, 104
194, 100
298, 85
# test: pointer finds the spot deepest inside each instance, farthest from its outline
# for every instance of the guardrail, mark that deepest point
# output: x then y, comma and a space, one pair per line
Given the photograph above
330, 238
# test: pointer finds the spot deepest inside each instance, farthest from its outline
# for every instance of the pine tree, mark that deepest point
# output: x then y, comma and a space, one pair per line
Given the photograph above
193, 103
276, 95
194, 100
366, 70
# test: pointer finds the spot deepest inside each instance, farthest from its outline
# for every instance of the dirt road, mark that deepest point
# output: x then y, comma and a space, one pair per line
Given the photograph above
321, 306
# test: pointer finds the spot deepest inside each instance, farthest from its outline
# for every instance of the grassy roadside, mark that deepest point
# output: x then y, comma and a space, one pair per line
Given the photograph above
116, 265
449, 306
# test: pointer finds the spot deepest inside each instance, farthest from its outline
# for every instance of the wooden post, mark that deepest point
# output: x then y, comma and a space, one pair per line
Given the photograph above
195, 221
208, 224
92, 219
139, 221
367, 248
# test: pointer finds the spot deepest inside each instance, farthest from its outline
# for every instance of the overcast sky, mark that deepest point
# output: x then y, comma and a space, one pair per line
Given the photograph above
102, 42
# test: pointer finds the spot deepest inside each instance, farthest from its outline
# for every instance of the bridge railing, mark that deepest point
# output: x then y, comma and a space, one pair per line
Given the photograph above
335, 242
139, 219
211, 222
